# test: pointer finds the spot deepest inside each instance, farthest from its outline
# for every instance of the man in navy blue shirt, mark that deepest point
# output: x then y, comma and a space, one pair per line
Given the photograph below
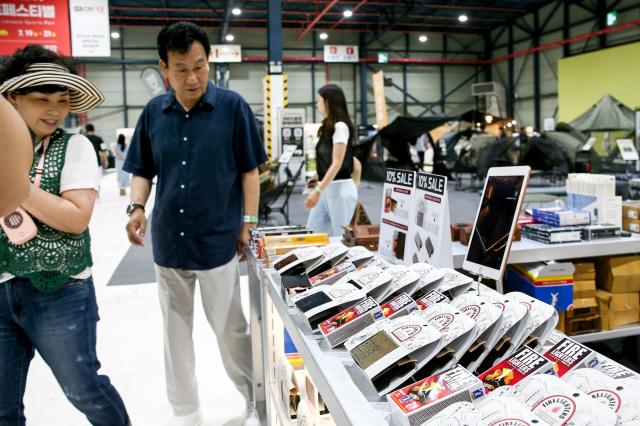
203, 145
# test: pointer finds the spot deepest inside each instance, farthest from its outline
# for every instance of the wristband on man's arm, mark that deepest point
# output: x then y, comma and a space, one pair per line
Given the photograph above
250, 219
318, 189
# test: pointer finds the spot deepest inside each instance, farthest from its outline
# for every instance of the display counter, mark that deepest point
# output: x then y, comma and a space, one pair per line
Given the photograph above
525, 250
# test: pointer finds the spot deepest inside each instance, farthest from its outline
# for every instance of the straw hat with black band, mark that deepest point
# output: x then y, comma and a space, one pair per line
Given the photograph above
83, 95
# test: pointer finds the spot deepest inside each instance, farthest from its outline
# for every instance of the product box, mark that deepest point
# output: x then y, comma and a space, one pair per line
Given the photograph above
584, 271
542, 273
337, 329
568, 355
390, 351
618, 309
417, 403
332, 275
556, 216
399, 306
600, 231
431, 298
620, 373
548, 234
318, 304
619, 398
359, 256
584, 289
559, 403
460, 413
582, 307
558, 294
370, 279
521, 364
631, 210
270, 241
332, 255
620, 274
296, 261
631, 225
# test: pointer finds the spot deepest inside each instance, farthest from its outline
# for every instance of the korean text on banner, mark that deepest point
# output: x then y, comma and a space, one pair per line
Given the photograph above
44, 22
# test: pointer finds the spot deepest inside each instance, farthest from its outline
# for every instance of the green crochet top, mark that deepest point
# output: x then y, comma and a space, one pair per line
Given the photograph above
52, 257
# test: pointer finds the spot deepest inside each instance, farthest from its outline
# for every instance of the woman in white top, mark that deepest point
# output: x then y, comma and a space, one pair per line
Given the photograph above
120, 153
334, 198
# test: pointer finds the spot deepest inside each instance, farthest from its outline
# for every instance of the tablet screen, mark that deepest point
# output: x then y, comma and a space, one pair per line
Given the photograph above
498, 210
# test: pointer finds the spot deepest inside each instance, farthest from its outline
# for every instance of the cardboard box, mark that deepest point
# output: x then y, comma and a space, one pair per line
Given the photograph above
583, 324
631, 210
631, 225
559, 295
583, 290
620, 274
618, 309
583, 307
584, 271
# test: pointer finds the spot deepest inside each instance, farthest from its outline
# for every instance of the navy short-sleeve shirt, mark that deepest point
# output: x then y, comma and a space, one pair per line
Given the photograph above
198, 157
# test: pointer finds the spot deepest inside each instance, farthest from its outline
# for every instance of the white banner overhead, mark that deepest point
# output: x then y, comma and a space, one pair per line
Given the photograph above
225, 53
336, 53
90, 31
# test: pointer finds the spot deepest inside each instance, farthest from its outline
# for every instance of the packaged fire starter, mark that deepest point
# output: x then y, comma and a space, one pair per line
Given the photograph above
403, 279
417, 403
621, 399
429, 277
331, 275
542, 319
321, 303
511, 332
487, 317
453, 283
297, 261
505, 411
400, 305
371, 279
568, 355
332, 254
559, 403
523, 363
620, 373
431, 298
391, 355
457, 335
458, 414
359, 256
337, 329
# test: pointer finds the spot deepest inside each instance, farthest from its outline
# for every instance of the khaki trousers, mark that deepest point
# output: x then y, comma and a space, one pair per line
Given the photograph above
220, 292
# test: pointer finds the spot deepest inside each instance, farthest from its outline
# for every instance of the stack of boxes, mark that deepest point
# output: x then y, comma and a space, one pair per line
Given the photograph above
583, 317
631, 216
618, 282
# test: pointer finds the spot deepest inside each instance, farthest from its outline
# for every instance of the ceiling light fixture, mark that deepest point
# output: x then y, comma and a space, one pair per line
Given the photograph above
347, 13
115, 35
236, 11
423, 38
463, 18
323, 36
229, 37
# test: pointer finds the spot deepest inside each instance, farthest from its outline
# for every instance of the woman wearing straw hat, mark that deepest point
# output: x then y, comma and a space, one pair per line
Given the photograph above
47, 298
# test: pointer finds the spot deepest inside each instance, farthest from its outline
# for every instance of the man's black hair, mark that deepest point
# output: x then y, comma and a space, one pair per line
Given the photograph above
89, 128
17, 63
179, 37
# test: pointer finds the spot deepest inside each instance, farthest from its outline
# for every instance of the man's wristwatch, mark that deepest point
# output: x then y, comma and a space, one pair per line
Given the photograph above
133, 206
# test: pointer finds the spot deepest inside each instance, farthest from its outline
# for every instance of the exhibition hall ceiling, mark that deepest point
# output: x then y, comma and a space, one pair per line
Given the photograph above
373, 16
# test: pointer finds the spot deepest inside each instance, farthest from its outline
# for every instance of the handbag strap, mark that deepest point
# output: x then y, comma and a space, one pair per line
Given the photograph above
40, 168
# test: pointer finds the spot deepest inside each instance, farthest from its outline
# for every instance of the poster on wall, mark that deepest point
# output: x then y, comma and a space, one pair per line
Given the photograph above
397, 199
44, 22
429, 230
90, 31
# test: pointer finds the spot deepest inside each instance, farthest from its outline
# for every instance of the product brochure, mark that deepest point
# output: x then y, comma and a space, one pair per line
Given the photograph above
607, 391
488, 318
321, 303
511, 334
429, 277
559, 403
417, 403
390, 351
542, 319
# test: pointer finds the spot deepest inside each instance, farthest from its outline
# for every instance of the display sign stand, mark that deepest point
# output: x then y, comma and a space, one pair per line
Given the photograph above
415, 224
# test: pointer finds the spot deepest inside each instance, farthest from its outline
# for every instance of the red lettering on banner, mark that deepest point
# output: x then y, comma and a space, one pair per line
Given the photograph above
44, 22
